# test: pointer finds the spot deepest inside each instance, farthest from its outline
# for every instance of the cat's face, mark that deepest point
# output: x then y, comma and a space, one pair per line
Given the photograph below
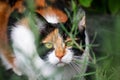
57, 48
58, 53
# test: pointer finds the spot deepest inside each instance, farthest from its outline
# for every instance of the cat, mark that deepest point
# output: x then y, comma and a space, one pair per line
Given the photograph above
56, 56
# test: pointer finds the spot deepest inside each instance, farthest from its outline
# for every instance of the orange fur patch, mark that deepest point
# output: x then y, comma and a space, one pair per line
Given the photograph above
49, 10
62, 17
5, 11
40, 3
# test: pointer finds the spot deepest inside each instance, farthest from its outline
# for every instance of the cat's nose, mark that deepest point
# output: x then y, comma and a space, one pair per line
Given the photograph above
59, 56
60, 52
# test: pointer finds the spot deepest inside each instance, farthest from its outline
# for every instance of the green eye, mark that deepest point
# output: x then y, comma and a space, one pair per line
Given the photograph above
49, 45
69, 43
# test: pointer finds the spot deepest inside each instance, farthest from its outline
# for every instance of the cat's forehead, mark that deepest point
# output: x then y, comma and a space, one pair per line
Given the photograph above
53, 32
53, 36
56, 39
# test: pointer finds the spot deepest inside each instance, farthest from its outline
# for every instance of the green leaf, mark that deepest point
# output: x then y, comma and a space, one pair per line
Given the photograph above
73, 5
85, 3
114, 6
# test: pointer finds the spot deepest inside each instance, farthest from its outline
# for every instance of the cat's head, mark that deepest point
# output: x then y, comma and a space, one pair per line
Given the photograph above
60, 47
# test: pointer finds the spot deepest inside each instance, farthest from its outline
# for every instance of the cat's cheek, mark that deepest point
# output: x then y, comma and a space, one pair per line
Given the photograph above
52, 59
68, 56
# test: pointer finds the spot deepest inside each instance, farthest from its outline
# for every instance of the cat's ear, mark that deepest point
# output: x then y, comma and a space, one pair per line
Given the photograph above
50, 13
81, 20
82, 24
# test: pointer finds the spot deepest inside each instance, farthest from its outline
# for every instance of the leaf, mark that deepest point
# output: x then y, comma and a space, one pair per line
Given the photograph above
85, 3
114, 6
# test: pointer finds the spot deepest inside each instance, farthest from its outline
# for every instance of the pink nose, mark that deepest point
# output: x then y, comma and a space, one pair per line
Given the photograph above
59, 56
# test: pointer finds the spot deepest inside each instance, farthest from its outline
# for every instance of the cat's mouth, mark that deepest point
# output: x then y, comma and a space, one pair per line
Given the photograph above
60, 64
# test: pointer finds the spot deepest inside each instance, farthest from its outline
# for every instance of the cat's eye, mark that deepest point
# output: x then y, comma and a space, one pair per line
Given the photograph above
48, 45
69, 43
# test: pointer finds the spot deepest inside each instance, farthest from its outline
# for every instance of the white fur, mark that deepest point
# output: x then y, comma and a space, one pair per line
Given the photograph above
48, 70
52, 58
51, 18
67, 58
25, 51
23, 40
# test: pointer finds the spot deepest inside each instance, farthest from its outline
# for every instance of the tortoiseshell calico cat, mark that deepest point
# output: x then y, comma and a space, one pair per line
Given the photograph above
56, 56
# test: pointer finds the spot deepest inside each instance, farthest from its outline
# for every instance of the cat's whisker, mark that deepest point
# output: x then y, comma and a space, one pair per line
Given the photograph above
71, 69
74, 67
77, 66
77, 57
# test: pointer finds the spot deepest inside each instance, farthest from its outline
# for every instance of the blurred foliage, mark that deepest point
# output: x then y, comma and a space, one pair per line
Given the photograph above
85, 3
102, 6
114, 6
111, 42
106, 58
108, 65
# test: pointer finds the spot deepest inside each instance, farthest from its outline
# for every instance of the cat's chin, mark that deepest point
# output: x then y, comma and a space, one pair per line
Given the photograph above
61, 64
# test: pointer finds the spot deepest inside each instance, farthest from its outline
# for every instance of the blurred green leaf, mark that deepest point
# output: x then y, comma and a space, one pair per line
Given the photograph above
114, 6
73, 5
85, 3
